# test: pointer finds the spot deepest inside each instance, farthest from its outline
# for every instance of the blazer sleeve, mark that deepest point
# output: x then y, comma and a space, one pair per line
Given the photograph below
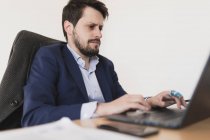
118, 90
40, 93
108, 68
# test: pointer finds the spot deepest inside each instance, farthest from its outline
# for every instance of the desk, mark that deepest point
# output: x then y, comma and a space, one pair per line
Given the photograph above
197, 131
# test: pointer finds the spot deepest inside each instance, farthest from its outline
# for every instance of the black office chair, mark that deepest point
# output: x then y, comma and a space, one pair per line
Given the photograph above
11, 88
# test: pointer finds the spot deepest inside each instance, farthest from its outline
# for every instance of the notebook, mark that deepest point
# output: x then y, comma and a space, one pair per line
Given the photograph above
197, 109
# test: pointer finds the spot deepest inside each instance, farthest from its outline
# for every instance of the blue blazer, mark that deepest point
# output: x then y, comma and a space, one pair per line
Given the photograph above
55, 87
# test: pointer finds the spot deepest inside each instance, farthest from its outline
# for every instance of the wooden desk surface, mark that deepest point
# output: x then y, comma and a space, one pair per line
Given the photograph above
197, 131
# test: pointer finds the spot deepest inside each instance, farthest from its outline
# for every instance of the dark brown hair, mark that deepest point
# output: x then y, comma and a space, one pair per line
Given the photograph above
73, 11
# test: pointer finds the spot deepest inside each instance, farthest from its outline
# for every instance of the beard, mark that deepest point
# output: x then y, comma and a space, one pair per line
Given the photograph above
86, 50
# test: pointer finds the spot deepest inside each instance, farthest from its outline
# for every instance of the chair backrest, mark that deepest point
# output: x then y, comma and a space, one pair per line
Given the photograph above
11, 88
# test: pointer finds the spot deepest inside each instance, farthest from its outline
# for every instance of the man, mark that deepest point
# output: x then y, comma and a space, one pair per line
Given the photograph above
73, 80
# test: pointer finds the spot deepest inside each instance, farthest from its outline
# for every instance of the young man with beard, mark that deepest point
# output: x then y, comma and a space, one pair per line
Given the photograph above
73, 80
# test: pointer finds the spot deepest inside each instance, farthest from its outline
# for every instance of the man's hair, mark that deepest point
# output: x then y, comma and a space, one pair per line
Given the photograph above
73, 11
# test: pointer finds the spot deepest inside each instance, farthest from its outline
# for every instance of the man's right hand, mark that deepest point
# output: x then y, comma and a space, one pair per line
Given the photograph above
122, 104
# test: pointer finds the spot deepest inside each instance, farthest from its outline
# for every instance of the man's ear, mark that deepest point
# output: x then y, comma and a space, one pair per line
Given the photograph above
68, 27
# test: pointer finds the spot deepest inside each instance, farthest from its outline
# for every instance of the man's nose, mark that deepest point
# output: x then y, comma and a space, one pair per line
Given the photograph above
98, 33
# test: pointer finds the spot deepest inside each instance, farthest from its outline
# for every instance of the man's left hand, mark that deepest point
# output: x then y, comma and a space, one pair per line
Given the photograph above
165, 99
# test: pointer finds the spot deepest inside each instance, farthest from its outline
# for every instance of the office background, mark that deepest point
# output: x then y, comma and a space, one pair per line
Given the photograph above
155, 45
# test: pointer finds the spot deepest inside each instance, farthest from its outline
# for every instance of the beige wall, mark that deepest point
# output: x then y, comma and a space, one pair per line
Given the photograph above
155, 45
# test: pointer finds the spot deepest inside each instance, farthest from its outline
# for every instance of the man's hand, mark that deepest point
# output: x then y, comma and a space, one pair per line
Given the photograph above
122, 104
126, 102
163, 99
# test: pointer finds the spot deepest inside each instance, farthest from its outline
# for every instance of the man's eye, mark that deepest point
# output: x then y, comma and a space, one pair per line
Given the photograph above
100, 28
91, 27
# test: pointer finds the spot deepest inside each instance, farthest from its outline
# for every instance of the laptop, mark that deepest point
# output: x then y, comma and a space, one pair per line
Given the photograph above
197, 109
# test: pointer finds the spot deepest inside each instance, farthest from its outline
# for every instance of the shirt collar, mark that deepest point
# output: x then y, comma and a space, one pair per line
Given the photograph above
94, 60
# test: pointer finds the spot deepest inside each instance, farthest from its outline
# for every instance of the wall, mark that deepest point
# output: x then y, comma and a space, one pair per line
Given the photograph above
155, 45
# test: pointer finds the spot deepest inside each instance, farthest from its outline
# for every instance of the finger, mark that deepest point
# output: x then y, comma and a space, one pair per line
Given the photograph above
178, 102
183, 102
168, 98
169, 103
165, 96
144, 103
138, 106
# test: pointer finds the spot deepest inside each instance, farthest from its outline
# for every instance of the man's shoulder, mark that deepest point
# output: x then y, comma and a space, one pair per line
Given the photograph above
52, 48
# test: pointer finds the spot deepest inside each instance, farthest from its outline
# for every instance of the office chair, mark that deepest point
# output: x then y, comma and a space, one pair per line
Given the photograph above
11, 88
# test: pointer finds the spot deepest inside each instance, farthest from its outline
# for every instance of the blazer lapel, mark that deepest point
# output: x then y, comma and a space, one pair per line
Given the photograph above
103, 83
75, 71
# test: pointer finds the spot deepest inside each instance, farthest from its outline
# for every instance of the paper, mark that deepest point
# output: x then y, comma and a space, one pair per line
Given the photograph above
63, 129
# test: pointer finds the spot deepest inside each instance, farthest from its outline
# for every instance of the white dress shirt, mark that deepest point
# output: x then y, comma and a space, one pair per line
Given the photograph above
91, 84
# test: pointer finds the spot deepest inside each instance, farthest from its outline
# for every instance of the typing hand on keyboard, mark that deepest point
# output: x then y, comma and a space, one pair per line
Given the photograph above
167, 98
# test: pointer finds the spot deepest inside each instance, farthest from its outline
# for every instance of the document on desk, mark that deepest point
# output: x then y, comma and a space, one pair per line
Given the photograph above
63, 129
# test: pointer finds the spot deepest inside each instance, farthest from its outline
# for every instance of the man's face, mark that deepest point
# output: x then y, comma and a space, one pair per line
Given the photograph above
87, 32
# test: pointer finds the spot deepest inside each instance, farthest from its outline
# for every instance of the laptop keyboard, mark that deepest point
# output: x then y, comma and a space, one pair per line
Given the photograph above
157, 117
164, 117
162, 114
